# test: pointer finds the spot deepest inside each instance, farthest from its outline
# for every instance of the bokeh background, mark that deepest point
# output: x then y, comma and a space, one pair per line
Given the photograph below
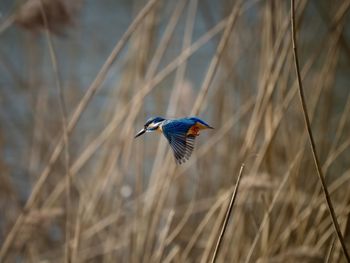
79, 78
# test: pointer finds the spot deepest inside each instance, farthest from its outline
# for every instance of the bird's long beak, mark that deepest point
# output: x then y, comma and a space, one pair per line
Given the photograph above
140, 133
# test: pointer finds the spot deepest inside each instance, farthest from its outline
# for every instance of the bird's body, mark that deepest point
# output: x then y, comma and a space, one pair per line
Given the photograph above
180, 133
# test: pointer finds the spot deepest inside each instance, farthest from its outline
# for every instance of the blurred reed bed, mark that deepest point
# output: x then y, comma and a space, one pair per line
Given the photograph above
83, 190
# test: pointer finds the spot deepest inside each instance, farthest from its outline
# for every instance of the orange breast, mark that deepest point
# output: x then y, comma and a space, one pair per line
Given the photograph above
194, 130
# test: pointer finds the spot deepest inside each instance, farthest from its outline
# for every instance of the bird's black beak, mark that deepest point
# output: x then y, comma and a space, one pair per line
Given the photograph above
140, 133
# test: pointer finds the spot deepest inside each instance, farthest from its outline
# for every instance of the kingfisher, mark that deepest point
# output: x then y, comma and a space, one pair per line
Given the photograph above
180, 133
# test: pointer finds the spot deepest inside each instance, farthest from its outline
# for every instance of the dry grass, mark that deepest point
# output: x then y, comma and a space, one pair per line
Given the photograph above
94, 194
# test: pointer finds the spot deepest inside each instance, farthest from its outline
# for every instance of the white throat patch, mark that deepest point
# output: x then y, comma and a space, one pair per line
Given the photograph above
154, 125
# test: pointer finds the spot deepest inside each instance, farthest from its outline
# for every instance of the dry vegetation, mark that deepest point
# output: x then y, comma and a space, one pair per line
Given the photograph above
89, 192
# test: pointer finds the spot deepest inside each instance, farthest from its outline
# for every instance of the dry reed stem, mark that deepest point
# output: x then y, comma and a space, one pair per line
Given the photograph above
209, 242
332, 57
155, 211
330, 251
308, 210
334, 54
162, 238
326, 229
227, 215
101, 249
335, 154
274, 67
311, 139
298, 254
76, 237
6, 23
171, 255
271, 206
108, 169
280, 112
339, 131
204, 222
64, 115
214, 63
185, 217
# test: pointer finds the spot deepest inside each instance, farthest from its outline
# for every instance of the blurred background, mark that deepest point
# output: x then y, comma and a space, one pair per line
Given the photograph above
78, 79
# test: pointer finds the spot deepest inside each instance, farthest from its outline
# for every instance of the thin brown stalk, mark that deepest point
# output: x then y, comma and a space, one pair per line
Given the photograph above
155, 210
330, 251
341, 181
227, 216
204, 222
311, 139
6, 23
185, 217
63, 109
211, 239
340, 129
170, 257
214, 64
271, 206
162, 239
271, 73
335, 154
76, 238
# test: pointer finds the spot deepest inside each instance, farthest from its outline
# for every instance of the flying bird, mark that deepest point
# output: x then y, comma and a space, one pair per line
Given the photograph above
180, 133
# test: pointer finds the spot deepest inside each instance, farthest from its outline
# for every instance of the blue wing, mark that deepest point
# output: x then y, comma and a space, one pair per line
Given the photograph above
176, 133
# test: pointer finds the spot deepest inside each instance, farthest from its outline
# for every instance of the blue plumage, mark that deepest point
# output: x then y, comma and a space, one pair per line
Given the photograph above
180, 133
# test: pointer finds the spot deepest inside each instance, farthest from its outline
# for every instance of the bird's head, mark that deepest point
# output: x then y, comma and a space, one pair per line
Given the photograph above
151, 124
